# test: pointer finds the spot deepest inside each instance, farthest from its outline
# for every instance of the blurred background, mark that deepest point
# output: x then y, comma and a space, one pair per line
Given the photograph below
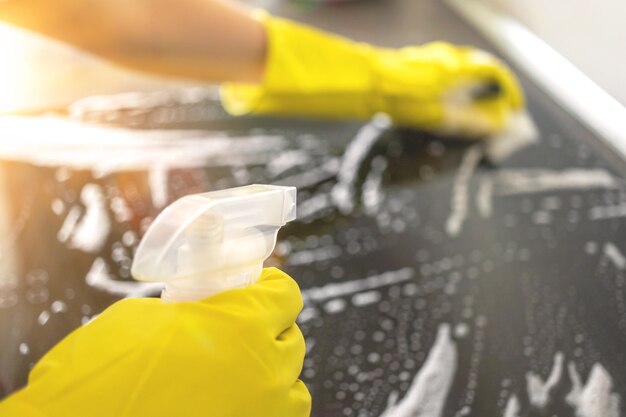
421, 264
590, 35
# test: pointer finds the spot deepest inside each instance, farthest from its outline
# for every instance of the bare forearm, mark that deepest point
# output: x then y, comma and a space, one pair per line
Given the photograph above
202, 39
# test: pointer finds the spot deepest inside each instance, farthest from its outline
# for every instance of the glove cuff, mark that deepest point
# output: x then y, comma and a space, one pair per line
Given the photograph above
308, 73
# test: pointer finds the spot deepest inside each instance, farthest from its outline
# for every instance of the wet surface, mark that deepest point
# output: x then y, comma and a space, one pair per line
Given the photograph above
434, 283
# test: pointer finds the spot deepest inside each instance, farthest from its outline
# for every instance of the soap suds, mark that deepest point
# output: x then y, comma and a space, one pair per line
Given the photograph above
24, 349
596, 398
607, 212
514, 182
484, 197
460, 197
326, 171
538, 389
334, 290
314, 205
58, 306
335, 306
309, 256
356, 152
366, 298
69, 224
50, 141
288, 160
373, 195
520, 133
121, 211
43, 318
526, 181
92, 231
512, 407
429, 390
616, 257
158, 181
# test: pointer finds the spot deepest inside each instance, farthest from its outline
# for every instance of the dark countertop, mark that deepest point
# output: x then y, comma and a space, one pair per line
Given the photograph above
455, 292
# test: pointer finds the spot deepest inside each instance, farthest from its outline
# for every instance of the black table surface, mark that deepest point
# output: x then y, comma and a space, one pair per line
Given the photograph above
434, 284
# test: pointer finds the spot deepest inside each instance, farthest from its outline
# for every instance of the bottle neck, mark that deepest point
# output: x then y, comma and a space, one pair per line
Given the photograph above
202, 286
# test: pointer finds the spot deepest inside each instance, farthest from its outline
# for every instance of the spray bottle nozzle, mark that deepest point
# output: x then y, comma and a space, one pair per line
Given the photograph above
206, 243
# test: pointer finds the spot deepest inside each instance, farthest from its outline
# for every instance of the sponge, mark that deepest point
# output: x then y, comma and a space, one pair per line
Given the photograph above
520, 133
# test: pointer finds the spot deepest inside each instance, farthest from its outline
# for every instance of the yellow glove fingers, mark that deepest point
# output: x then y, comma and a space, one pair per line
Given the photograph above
489, 69
275, 299
300, 400
402, 112
281, 296
291, 344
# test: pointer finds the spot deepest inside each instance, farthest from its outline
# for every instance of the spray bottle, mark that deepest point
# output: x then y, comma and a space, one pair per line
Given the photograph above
207, 243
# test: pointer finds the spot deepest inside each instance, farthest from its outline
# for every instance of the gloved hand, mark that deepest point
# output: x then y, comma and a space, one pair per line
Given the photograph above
235, 354
436, 87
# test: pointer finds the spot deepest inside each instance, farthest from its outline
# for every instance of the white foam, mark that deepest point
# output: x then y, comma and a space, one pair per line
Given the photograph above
513, 182
58, 306
287, 160
335, 306
327, 170
309, 256
58, 206
484, 197
520, 133
538, 389
69, 224
43, 317
596, 398
91, 232
512, 407
607, 212
366, 298
616, 257
24, 349
334, 290
99, 277
121, 211
353, 157
460, 198
52, 141
526, 181
158, 181
429, 390
314, 205
373, 194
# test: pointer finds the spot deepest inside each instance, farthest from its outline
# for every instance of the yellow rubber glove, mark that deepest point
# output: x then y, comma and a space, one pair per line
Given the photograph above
433, 87
236, 354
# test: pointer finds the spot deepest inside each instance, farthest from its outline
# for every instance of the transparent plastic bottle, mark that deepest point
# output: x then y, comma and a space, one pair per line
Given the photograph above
203, 244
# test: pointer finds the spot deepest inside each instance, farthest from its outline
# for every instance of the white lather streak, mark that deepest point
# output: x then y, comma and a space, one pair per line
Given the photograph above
429, 390
460, 198
514, 182
55, 142
596, 397
90, 232
527, 181
343, 192
538, 389
328, 291
512, 407
616, 257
